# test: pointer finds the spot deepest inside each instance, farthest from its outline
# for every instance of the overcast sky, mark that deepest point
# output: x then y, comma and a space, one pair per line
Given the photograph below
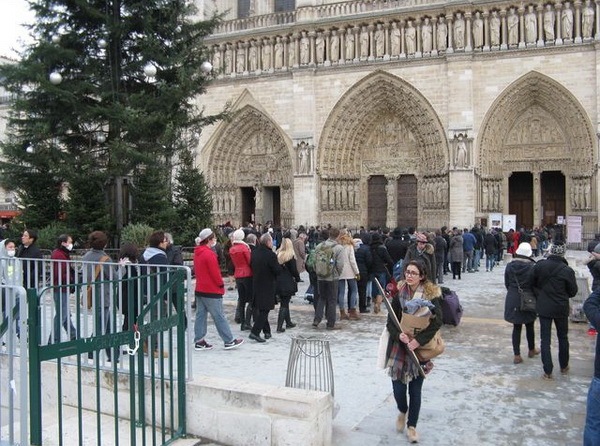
13, 14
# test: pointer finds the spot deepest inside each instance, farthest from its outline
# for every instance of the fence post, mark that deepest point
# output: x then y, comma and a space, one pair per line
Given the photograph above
35, 370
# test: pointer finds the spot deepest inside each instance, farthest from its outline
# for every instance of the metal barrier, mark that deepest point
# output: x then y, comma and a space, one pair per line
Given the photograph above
309, 364
81, 315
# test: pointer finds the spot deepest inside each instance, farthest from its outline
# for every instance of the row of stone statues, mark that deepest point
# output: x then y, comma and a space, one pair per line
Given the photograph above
490, 195
482, 30
581, 192
340, 195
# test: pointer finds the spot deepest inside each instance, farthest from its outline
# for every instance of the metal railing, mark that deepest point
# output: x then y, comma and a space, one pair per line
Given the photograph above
101, 323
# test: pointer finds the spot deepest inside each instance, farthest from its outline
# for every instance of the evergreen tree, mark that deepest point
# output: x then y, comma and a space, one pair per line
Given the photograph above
152, 198
192, 199
89, 105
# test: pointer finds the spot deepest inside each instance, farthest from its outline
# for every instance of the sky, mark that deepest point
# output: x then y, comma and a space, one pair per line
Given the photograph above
13, 14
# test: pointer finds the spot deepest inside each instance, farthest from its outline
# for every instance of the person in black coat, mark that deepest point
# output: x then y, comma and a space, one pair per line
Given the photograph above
381, 268
29, 250
518, 274
396, 246
440, 248
554, 284
490, 246
287, 283
364, 260
265, 270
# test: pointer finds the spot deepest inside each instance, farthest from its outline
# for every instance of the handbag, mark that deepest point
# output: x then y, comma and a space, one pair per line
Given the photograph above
90, 287
433, 348
412, 325
528, 299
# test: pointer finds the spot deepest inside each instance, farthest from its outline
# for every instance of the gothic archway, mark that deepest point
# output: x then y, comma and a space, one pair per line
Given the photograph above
250, 161
536, 125
382, 126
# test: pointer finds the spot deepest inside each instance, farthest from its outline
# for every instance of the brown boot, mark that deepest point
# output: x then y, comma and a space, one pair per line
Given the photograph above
534, 352
343, 315
518, 359
377, 304
412, 435
353, 314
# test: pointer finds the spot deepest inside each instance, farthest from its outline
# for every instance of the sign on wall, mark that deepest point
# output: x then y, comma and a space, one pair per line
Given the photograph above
509, 221
495, 220
574, 227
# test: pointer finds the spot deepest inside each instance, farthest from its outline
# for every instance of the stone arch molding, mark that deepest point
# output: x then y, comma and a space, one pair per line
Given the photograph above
536, 124
250, 150
384, 126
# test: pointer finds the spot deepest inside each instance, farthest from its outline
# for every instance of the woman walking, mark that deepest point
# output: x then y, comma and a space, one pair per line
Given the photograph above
404, 373
456, 253
518, 275
287, 283
349, 273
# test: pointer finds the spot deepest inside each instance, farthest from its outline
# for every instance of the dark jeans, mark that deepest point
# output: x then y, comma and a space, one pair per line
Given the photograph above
244, 287
516, 337
414, 392
261, 322
562, 333
362, 292
455, 270
328, 291
314, 283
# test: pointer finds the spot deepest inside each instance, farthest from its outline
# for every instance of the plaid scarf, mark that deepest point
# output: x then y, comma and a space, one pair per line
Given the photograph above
399, 366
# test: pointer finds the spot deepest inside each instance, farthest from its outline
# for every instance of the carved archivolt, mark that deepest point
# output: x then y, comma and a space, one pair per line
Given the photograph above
536, 124
250, 150
382, 126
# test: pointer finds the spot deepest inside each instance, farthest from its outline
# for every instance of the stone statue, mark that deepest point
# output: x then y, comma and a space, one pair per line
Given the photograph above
379, 38
395, 39
320, 48
266, 55
304, 49
495, 196
530, 25
477, 31
495, 29
549, 23
364, 43
253, 56
303, 159
461, 153
567, 22
410, 36
513, 27
292, 52
587, 21
278, 54
228, 59
217, 59
334, 46
350, 44
485, 192
586, 194
240, 58
258, 197
427, 36
459, 31
442, 34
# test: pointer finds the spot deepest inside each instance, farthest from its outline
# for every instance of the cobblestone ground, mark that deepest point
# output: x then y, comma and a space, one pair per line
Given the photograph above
474, 395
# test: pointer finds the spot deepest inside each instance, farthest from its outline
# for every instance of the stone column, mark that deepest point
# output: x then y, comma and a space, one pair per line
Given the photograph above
486, 30
419, 47
468, 42
597, 16
577, 4
371, 43
356, 31
540, 23
342, 33
558, 23
311, 60
386, 33
434, 48
286, 52
391, 220
504, 31
402, 53
450, 21
247, 62
521, 27
327, 56
537, 198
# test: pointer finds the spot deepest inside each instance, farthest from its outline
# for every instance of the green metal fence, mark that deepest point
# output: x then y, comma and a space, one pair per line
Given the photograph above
139, 393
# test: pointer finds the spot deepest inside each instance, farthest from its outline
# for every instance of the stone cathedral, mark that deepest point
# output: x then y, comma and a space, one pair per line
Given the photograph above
404, 113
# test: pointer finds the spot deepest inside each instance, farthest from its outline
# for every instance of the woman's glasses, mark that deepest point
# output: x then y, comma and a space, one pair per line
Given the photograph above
411, 273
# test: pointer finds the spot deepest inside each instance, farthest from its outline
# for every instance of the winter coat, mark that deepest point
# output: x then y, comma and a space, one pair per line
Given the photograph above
209, 282
382, 262
456, 249
103, 289
30, 252
350, 269
240, 256
594, 267
520, 269
287, 280
591, 307
300, 254
469, 241
397, 248
62, 272
440, 249
490, 244
338, 259
554, 284
364, 259
265, 270
427, 256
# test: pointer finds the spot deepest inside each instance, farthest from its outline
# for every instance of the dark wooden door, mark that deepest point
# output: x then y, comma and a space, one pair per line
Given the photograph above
248, 207
407, 201
553, 196
377, 205
520, 198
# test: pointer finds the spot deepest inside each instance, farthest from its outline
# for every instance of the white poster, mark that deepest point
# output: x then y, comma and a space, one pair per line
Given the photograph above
495, 220
509, 221
574, 226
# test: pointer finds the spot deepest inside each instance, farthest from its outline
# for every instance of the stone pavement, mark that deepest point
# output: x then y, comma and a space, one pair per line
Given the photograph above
474, 395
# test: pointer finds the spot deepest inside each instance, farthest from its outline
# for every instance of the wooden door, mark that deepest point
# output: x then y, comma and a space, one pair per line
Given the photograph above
407, 201
520, 198
553, 196
377, 204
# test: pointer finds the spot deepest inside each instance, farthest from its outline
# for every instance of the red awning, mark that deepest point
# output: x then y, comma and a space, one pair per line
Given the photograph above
9, 214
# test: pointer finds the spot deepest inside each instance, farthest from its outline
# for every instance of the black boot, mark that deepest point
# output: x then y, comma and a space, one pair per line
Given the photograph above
280, 320
247, 324
288, 319
238, 312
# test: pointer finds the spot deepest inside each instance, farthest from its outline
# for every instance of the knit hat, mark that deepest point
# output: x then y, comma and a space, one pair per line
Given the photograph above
524, 249
239, 235
597, 249
204, 234
422, 238
558, 249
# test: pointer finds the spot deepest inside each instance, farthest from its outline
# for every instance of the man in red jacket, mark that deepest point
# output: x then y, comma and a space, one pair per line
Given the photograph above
209, 294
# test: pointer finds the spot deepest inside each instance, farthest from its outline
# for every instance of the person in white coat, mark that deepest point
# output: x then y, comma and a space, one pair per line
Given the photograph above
349, 274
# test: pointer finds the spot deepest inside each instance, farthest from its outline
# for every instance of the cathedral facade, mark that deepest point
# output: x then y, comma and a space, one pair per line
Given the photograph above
404, 113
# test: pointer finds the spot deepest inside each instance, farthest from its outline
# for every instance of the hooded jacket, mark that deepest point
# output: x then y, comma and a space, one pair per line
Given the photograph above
554, 284
427, 256
209, 282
